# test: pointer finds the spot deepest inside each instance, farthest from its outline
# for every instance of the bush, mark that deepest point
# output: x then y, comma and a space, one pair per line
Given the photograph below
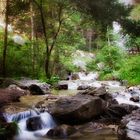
112, 57
131, 70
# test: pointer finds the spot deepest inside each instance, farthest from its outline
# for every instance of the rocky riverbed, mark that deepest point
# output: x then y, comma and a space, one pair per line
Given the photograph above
99, 107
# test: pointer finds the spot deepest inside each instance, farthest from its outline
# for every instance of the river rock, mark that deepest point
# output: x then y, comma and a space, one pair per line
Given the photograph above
2, 118
62, 86
10, 95
130, 126
34, 123
62, 131
35, 90
83, 87
135, 98
94, 91
75, 76
76, 109
35, 86
99, 92
115, 112
5, 82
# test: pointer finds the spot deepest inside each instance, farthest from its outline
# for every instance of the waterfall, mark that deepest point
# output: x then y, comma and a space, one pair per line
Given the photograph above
20, 116
89, 76
47, 122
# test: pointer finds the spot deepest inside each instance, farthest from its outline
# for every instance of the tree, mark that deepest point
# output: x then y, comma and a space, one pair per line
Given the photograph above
56, 11
104, 12
5, 44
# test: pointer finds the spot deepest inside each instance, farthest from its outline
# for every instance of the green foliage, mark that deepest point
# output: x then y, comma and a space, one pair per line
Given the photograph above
104, 12
131, 70
52, 81
111, 56
112, 59
133, 42
135, 12
131, 27
8, 130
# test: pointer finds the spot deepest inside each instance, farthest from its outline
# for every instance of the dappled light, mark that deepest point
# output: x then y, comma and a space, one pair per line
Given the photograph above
69, 69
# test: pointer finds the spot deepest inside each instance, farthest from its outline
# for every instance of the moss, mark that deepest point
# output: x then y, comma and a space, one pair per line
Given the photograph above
8, 130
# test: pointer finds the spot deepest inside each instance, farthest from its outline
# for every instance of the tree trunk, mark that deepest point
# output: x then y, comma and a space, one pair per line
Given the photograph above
47, 65
32, 38
5, 40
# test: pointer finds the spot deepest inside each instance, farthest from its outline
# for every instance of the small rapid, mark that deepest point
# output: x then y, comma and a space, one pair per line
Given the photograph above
47, 122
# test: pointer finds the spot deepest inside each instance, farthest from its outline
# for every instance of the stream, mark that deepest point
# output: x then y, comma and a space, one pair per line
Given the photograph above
47, 121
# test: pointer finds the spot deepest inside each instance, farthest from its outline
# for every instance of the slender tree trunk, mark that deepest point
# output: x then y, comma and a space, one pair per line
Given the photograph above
5, 45
32, 37
47, 61
47, 66
48, 48
108, 37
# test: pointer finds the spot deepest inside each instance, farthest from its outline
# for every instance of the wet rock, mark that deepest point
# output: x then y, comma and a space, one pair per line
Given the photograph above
5, 82
99, 92
35, 86
115, 112
34, 123
94, 91
62, 86
62, 131
135, 98
76, 109
134, 91
83, 87
2, 118
75, 76
10, 95
130, 126
35, 90
90, 127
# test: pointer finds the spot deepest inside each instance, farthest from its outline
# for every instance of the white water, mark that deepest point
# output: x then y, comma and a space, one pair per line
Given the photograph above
24, 134
121, 93
89, 79
124, 97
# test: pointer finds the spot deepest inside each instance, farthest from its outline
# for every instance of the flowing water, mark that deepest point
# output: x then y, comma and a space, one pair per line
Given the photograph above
47, 122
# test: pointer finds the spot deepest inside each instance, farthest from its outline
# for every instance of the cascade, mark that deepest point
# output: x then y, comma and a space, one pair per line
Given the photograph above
47, 122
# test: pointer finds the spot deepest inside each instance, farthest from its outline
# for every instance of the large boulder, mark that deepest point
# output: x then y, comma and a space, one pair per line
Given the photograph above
76, 109
10, 95
115, 112
99, 92
5, 82
62, 131
34, 86
130, 126
34, 123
